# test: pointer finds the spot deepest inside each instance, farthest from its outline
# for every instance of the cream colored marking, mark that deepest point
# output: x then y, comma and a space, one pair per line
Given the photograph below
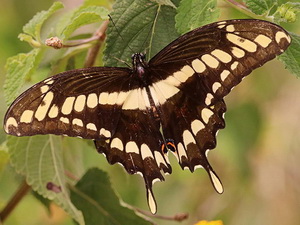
112, 98
131, 147
141, 101
181, 151
146, 152
159, 158
216, 86
188, 70
221, 22
206, 114
224, 74
77, 122
151, 202
263, 40
131, 102
154, 95
53, 111
161, 98
234, 65
64, 120
167, 90
188, 138
122, 97
44, 106
155, 180
171, 80
221, 26
221, 55
196, 126
79, 103
230, 28
26, 116
146, 99
103, 98
210, 61
117, 143
48, 80
105, 133
198, 66
216, 182
142, 104
208, 99
92, 100
246, 44
68, 105
44, 89
91, 126
10, 122
181, 76
198, 167
237, 52
280, 34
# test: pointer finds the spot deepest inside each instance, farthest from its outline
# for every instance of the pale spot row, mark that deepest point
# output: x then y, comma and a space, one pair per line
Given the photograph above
196, 126
206, 114
224, 74
181, 152
216, 86
105, 133
42, 110
282, 35
26, 116
188, 138
243, 43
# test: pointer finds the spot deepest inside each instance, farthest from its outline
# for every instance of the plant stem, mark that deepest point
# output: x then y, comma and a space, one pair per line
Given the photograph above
93, 51
13, 202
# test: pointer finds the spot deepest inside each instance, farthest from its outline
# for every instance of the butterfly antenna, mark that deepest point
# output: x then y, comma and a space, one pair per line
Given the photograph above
110, 18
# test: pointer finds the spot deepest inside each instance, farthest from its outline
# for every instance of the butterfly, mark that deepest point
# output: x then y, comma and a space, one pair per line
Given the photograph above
173, 103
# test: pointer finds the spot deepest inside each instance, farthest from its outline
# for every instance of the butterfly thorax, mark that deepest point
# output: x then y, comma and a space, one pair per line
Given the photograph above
140, 66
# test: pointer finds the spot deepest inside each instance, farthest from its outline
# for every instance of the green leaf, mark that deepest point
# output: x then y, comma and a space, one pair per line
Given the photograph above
260, 7
33, 27
80, 17
287, 12
291, 57
18, 68
195, 13
139, 25
94, 196
39, 159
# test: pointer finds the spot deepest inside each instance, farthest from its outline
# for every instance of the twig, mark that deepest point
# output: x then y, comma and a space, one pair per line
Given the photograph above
177, 217
13, 202
93, 51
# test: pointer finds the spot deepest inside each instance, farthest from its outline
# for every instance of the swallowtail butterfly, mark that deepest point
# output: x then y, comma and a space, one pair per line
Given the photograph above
173, 103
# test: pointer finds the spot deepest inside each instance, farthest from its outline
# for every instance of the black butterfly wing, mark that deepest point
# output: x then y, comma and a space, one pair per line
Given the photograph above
101, 103
73, 103
195, 72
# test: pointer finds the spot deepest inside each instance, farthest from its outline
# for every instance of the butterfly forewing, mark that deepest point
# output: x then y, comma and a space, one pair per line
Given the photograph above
172, 104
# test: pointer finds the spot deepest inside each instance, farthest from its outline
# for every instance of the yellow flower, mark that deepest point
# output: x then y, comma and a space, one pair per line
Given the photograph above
204, 222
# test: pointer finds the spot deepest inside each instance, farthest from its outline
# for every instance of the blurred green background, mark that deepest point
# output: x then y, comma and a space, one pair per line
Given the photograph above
257, 157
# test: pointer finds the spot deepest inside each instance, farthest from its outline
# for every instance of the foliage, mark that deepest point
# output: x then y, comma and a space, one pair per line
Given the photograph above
138, 25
